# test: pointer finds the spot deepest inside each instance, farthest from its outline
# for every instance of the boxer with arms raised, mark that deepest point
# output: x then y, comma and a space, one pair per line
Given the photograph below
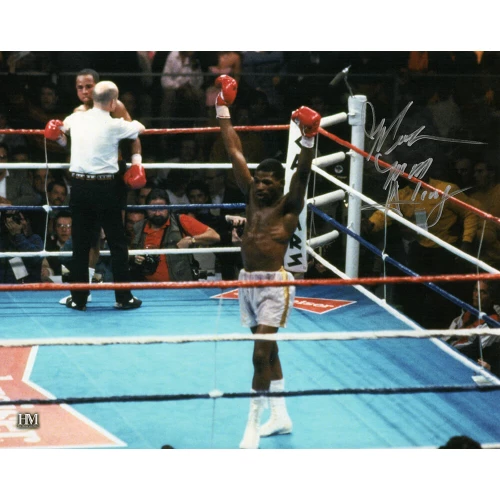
272, 218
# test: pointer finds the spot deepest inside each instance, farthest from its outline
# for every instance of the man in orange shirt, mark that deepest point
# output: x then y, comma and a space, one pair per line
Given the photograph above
162, 230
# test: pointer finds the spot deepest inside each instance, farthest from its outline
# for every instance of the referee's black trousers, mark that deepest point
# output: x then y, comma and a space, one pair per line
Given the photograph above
98, 203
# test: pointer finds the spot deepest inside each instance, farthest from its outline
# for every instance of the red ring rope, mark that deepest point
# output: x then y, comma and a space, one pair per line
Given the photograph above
239, 128
24, 287
347, 144
155, 131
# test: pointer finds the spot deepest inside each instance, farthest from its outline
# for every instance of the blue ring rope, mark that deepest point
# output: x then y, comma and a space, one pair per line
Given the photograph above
40, 208
239, 395
398, 265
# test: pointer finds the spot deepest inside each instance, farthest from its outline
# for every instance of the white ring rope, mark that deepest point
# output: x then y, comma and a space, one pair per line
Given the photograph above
324, 199
326, 161
409, 224
317, 201
184, 166
230, 337
141, 251
319, 241
335, 119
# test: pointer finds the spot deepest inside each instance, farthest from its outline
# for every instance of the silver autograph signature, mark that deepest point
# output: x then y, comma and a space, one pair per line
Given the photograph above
380, 134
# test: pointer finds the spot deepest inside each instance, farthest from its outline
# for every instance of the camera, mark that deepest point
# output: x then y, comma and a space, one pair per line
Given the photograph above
240, 230
150, 264
199, 274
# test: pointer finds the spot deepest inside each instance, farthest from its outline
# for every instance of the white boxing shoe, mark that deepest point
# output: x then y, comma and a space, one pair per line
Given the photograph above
65, 299
276, 425
279, 422
251, 436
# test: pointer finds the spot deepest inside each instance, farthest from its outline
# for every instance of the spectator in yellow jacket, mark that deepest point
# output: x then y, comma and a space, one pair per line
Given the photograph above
448, 221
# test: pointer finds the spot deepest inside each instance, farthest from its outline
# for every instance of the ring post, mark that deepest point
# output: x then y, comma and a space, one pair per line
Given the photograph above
357, 114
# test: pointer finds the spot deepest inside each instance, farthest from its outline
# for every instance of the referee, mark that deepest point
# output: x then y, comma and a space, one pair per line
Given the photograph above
95, 188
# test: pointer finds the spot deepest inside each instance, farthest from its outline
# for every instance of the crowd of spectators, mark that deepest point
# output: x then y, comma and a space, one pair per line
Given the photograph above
458, 90
454, 95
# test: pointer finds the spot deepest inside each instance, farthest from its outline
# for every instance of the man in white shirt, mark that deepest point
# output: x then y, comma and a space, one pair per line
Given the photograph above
95, 193
85, 82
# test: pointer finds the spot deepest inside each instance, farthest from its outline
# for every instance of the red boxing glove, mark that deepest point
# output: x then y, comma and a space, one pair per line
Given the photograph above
53, 130
229, 89
307, 120
135, 177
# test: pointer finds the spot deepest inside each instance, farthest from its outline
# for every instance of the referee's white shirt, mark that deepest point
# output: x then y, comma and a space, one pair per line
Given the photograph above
94, 140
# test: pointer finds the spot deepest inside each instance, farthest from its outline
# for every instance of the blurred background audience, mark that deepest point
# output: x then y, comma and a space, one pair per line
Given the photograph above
453, 95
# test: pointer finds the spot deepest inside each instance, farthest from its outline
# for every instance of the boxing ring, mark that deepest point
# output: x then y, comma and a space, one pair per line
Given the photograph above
177, 371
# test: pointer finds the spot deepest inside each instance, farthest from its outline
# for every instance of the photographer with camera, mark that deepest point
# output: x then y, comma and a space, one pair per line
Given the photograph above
163, 229
16, 235
58, 241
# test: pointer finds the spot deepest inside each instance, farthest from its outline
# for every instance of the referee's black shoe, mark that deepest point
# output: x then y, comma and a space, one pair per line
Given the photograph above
74, 305
133, 303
